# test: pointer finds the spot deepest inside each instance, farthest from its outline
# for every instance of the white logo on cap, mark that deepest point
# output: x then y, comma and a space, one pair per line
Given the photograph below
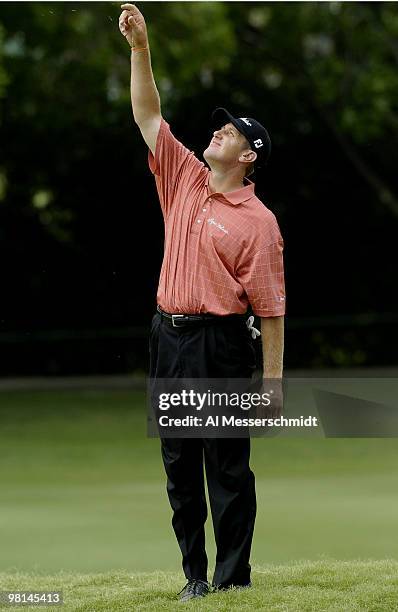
245, 120
258, 143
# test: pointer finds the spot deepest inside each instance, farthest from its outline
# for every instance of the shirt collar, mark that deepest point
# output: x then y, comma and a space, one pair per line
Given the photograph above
238, 195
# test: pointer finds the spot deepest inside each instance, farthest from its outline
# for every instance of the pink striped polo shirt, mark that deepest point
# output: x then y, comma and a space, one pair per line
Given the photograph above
222, 251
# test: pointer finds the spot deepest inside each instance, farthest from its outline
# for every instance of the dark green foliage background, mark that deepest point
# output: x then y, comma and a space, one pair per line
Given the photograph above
80, 227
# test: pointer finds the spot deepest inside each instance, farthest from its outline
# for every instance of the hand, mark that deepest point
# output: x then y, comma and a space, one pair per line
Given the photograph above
132, 25
274, 389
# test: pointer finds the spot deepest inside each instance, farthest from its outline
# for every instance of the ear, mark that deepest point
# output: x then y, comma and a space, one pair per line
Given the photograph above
248, 156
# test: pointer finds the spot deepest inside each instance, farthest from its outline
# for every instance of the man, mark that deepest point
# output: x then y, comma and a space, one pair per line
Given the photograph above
223, 252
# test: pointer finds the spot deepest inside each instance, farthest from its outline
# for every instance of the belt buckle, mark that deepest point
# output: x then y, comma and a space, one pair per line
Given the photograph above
176, 316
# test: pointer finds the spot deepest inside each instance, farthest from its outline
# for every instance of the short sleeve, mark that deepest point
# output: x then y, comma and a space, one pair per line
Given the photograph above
171, 164
262, 278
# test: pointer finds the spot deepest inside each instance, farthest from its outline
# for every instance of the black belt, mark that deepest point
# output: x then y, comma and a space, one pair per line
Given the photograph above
183, 320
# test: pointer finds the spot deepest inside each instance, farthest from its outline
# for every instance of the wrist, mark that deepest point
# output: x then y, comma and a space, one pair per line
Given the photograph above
137, 49
139, 44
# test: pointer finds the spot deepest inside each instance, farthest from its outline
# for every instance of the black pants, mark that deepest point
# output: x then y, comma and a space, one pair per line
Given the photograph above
210, 351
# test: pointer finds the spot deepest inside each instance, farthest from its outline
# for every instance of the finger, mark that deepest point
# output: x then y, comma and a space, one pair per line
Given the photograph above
124, 17
133, 22
132, 9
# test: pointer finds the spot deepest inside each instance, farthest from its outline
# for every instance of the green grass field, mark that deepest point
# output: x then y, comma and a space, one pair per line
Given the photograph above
83, 491
306, 586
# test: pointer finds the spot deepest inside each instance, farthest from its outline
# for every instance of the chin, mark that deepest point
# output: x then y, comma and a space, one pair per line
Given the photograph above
208, 154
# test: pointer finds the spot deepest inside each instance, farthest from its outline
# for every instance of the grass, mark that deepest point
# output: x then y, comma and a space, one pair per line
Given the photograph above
304, 586
84, 508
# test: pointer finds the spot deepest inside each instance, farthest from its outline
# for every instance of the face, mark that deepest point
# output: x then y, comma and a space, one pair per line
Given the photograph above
226, 146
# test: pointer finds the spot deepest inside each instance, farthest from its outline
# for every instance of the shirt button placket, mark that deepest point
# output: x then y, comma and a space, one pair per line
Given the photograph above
204, 209
206, 205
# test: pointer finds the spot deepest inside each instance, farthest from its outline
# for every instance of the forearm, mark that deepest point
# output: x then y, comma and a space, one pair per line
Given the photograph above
272, 334
145, 99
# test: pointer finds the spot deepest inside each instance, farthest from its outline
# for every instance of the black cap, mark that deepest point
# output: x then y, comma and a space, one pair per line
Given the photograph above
254, 132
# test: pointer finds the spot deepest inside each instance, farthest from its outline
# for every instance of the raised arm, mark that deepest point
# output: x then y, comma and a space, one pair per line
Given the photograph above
145, 98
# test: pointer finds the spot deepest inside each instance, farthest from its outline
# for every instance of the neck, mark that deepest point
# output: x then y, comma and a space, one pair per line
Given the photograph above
222, 182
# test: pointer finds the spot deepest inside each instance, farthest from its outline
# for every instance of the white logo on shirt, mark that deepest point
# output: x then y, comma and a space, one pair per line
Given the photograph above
245, 120
212, 221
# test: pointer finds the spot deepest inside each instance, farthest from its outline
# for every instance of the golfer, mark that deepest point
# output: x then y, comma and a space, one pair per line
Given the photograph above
222, 255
